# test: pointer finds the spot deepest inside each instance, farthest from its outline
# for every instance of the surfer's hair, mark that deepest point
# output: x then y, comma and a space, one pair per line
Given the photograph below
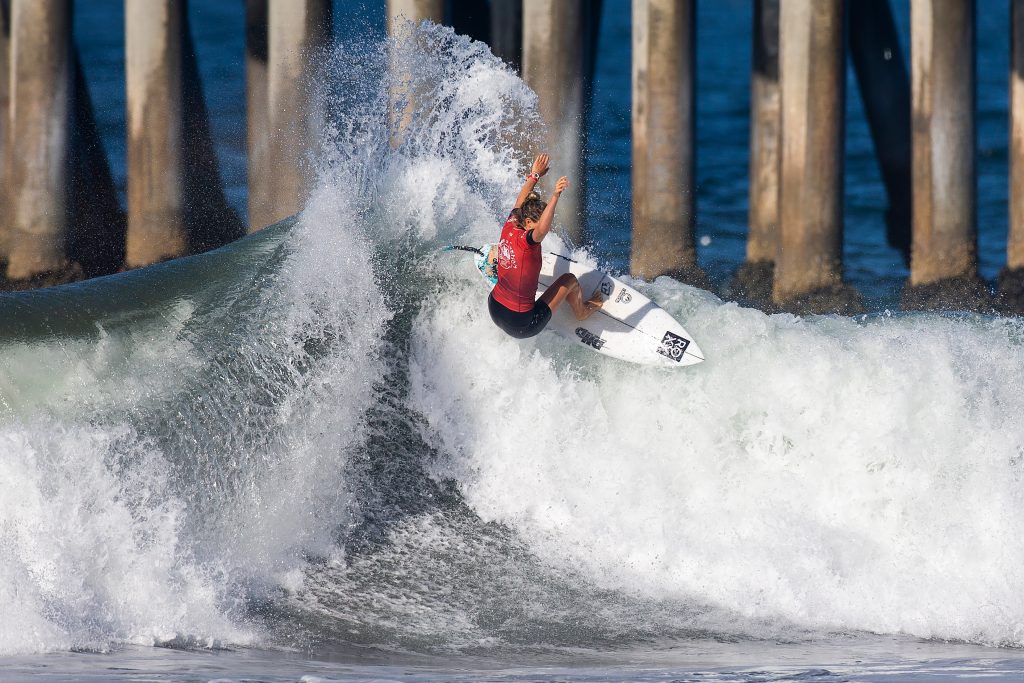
532, 208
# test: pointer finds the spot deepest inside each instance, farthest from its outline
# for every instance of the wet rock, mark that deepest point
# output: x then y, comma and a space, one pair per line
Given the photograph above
1010, 297
964, 293
841, 299
72, 272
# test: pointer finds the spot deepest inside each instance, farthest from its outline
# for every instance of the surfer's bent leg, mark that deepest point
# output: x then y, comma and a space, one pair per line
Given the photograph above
567, 288
519, 325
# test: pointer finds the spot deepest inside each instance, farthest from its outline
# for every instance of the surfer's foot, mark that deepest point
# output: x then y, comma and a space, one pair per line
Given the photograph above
592, 304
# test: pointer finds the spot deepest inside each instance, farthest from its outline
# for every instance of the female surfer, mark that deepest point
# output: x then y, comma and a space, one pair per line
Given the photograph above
518, 255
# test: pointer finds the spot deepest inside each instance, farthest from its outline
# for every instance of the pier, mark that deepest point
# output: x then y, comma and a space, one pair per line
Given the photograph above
61, 220
664, 118
812, 92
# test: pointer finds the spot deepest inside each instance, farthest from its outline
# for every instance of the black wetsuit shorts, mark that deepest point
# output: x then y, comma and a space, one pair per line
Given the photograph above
519, 325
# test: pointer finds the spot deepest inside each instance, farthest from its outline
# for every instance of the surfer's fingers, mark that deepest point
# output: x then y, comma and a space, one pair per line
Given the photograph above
540, 164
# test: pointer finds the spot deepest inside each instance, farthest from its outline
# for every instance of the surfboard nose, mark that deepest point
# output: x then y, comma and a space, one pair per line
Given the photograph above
694, 354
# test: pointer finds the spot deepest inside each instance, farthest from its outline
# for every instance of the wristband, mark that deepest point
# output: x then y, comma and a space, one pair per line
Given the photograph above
535, 176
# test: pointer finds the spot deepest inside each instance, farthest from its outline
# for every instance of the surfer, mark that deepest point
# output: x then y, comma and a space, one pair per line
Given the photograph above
518, 257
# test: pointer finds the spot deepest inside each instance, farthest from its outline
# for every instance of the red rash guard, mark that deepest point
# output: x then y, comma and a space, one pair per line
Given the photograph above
518, 269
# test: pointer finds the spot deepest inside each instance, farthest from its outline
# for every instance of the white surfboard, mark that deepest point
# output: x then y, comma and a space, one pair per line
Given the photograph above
629, 326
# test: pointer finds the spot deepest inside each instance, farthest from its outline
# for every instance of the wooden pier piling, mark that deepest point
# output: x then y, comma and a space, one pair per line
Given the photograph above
37, 143
943, 270
556, 67
812, 60
753, 280
664, 137
1011, 279
298, 31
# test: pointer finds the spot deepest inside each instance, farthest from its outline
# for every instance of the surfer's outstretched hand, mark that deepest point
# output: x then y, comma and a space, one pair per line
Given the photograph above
560, 186
540, 164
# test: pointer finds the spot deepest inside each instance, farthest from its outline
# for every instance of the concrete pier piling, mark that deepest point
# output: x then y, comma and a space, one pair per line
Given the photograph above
753, 280
885, 90
153, 70
37, 143
808, 267
943, 270
298, 31
5, 72
257, 125
73, 227
415, 11
664, 117
400, 12
1011, 279
176, 205
556, 66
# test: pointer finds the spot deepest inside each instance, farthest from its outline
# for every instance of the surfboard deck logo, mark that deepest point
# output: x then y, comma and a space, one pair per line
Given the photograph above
673, 346
589, 338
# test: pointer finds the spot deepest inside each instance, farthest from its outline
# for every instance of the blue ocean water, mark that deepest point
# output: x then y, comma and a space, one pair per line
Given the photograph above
723, 39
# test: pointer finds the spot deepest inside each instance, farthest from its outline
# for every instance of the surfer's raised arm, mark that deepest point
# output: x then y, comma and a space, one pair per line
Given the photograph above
539, 168
541, 228
518, 259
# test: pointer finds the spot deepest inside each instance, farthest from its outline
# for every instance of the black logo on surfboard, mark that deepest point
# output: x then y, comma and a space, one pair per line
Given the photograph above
672, 346
624, 297
589, 338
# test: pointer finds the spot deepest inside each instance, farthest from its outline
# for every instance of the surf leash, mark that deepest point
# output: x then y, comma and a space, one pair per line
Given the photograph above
462, 247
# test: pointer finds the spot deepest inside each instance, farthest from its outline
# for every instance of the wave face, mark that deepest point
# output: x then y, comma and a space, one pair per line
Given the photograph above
316, 436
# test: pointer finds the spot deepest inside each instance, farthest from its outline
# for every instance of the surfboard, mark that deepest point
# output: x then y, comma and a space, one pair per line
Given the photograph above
629, 326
